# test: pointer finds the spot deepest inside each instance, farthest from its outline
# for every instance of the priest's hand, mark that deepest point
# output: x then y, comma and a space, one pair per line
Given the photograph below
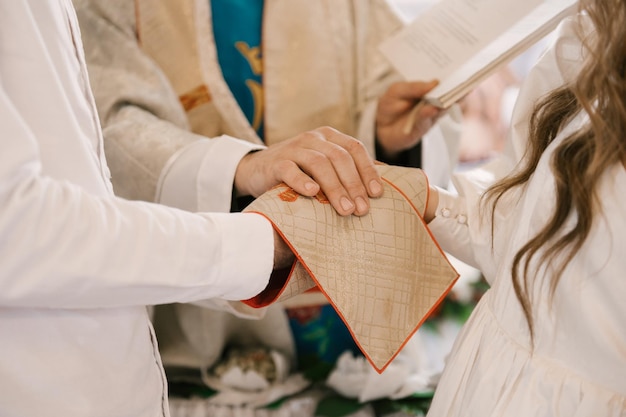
401, 119
322, 159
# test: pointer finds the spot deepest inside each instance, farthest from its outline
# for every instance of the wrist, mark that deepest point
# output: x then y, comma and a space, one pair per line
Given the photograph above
431, 206
243, 174
382, 154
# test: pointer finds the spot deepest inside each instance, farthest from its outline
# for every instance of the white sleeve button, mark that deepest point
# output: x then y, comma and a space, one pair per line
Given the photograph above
445, 212
461, 218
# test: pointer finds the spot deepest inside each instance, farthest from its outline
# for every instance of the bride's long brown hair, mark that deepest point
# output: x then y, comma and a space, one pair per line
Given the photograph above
580, 160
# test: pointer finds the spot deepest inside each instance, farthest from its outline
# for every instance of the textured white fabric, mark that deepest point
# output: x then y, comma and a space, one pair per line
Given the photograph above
78, 264
578, 365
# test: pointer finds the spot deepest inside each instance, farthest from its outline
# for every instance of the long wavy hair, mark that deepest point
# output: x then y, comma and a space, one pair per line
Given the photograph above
580, 160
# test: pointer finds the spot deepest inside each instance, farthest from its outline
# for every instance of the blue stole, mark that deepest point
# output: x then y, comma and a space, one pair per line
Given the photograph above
237, 28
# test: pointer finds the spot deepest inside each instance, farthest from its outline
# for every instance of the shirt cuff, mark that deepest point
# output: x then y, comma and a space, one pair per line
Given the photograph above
451, 227
200, 176
246, 254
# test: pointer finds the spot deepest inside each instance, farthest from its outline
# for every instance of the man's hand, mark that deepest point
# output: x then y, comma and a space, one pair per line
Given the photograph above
394, 113
321, 159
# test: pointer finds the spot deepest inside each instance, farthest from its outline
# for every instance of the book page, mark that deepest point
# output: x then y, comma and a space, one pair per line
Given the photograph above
449, 33
522, 35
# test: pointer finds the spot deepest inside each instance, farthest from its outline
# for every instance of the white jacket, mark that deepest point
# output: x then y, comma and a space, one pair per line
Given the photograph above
77, 263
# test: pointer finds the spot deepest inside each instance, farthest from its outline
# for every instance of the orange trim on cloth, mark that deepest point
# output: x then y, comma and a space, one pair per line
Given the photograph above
195, 98
383, 273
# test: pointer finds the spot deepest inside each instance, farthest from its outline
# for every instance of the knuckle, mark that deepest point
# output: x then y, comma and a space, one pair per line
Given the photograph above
338, 153
309, 134
354, 145
283, 166
333, 192
317, 159
355, 188
327, 130
396, 88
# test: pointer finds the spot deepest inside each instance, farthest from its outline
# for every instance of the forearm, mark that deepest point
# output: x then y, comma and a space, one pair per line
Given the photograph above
94, 250
465, 225
151, 151
138, 146
142, 119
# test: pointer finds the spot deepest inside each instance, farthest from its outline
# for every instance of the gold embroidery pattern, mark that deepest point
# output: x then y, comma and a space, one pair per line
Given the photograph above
256, 90
253, 56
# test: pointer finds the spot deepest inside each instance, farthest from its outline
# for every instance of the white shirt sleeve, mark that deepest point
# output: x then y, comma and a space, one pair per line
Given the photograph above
64, 247
471, 239
200, 176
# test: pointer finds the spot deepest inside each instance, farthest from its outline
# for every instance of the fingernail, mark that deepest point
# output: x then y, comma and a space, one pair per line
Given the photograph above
375, 187
361, 205
310, 186
346, 204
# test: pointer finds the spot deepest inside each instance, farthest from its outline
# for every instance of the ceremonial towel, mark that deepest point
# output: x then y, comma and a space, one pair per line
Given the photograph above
382, 272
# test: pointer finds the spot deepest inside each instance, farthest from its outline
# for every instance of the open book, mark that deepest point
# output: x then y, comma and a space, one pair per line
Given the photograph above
462, 42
